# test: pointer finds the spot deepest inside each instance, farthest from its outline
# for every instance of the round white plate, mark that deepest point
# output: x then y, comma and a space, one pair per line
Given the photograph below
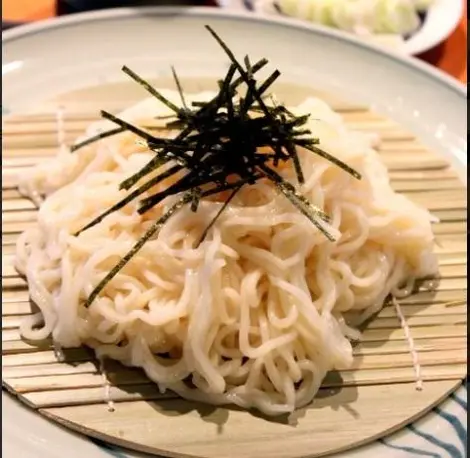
43, 60
440, 21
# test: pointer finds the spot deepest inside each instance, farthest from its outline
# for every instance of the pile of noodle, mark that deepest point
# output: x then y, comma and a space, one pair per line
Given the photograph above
257, 314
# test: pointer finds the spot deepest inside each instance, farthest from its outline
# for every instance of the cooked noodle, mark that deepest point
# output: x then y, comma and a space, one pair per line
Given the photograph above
258, 313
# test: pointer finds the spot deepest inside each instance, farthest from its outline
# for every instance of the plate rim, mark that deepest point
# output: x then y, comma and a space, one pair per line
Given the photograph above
63, 21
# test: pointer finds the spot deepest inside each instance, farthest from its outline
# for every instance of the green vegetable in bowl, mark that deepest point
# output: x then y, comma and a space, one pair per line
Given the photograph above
399, 17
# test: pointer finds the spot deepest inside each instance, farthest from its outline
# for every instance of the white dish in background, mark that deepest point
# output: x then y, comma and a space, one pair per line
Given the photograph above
441, 20
45, 59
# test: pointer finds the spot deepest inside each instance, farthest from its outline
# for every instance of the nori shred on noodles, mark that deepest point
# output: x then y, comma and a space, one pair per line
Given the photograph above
224, 144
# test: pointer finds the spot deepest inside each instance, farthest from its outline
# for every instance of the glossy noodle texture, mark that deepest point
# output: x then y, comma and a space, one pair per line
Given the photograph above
258, 313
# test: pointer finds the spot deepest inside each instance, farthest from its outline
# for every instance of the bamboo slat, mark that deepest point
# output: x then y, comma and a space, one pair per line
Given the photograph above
215, 438
370, 374
75, 391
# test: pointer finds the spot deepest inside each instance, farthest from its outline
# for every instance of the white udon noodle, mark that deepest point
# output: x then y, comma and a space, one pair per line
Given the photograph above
256, 315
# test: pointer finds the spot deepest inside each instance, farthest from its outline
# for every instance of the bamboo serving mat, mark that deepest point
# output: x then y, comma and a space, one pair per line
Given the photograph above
376, 396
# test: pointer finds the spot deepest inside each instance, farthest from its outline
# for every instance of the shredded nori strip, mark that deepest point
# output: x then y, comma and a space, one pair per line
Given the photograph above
152, 90
97, 137
140, 243
216, 217
224, 144
179, 87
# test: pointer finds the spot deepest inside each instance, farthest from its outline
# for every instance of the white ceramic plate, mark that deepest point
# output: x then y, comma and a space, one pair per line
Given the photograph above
440, 21
45, 59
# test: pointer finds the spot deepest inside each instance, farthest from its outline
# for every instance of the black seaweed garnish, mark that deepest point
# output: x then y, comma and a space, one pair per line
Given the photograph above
224, 144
